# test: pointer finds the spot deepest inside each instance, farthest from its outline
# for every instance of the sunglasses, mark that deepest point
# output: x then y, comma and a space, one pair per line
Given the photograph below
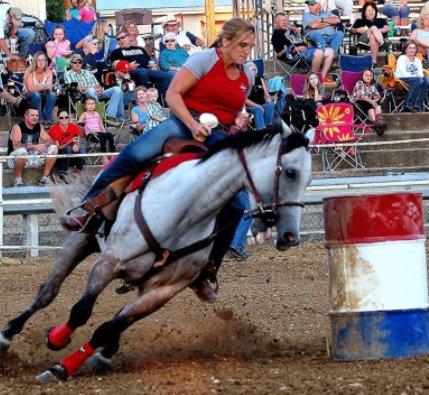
66, 117
170, 41
119, 38
77, 62
95, 42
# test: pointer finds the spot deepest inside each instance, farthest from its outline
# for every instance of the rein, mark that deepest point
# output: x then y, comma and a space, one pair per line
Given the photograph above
266, 212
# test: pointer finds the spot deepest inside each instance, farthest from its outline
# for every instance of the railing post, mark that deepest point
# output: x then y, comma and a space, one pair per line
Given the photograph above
32, 233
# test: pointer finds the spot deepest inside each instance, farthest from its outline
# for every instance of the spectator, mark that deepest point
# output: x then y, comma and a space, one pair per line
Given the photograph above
237, 247
421, 35
142, 72
371, 30
67, 137
10, 26
58, 46
93, 124
338, 7
172, 57
89, 85
314, 89
409, 69
86, 11
29, 138
367, 97
320, 27
100, 31
139, 114
286, 48
131, 27
38, 84
186, 40
154, 109
399, 12
72, 12
87, 52
259, 101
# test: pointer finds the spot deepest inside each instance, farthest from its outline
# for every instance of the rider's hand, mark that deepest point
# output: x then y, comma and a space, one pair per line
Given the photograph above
200, 132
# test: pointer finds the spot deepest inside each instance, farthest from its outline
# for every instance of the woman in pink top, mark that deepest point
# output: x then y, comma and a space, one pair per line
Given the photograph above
86, 11
59, 46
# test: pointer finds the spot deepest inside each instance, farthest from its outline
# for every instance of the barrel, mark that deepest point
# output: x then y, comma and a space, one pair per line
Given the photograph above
378, 289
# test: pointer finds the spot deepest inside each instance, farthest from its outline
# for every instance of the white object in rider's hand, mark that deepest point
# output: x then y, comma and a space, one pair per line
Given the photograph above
209, 120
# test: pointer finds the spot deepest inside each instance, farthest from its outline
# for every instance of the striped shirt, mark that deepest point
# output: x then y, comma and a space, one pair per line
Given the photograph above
85, 78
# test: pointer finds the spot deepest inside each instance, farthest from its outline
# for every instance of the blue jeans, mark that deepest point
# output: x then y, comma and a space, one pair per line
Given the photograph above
161, 79
392, 12
63, 164
264, 116
25, 39
135, 156
322, 41
49, 98
239, 240
418, 92
115, 107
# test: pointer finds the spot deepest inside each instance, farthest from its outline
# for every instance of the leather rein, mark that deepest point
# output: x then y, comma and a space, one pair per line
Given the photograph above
266, 212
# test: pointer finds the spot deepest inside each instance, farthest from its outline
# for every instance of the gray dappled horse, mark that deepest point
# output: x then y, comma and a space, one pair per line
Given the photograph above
180, 208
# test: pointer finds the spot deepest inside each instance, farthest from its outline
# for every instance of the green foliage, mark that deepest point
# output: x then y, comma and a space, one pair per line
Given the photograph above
55, 10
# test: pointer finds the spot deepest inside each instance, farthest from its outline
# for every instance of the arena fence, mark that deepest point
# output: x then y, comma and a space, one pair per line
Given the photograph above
29, 225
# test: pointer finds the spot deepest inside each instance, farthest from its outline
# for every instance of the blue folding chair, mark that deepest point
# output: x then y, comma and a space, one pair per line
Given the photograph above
355, 63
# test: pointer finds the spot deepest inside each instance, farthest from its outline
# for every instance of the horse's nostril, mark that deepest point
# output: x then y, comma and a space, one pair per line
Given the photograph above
288, 236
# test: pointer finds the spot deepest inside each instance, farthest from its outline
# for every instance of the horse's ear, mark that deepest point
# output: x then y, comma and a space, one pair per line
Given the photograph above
285, 129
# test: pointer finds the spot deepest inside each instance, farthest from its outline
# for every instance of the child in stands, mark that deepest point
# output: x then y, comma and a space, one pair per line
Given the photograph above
314, 89
86, 11
154, 109
367, 96
93, 124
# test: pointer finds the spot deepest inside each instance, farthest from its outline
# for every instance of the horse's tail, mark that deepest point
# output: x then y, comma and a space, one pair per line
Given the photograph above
68, 195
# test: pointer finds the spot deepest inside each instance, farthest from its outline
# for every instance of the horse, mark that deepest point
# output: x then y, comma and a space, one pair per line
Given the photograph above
180, 207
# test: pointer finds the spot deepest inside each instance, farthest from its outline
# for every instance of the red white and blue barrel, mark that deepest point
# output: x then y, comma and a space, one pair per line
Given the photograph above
378, 278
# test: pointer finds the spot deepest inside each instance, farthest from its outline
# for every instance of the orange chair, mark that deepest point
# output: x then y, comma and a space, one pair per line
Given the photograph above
336, 126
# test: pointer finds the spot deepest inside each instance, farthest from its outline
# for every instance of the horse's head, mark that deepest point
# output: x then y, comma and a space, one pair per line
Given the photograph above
294, 178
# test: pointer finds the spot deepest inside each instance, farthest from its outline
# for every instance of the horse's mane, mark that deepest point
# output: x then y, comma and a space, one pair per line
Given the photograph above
247, 139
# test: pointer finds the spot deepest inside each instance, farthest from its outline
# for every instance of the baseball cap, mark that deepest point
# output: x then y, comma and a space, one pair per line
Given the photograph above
312, 2
15, 15
123, 66
75, 57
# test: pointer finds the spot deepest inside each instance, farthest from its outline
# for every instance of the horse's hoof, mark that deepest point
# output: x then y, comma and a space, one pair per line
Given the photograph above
52, 346
54, 374
4, 344
98, 364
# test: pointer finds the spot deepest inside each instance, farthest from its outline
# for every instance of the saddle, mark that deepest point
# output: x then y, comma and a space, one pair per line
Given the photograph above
175, 152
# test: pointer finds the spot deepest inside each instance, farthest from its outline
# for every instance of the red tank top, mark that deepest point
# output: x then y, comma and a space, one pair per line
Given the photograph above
217, 94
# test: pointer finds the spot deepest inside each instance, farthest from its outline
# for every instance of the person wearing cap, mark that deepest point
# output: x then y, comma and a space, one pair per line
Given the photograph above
139, 60
286, 48
10, 26
88, 84
321, 27
172, 57
185, 39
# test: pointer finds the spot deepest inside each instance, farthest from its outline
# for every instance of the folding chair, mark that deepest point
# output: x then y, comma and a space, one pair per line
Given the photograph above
297, 83
336, 126
354, 63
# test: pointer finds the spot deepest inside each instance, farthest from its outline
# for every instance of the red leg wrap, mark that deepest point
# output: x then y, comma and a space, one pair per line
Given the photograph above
75, 360
59, 336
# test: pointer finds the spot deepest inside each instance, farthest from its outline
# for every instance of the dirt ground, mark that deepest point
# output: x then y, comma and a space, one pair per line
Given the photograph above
267, 334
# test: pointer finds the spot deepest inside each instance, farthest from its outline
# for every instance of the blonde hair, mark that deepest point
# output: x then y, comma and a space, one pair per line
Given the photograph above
33, 64
233, 28
98, 29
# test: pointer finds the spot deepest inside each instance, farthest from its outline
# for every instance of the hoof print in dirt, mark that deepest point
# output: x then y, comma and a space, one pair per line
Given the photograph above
98, 364
54, 374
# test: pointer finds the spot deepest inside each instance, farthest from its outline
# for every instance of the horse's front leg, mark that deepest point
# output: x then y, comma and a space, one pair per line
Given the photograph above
108, 334
75, 249
102, 273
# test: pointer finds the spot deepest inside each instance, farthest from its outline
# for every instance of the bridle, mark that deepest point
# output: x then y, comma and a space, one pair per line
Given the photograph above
268, 212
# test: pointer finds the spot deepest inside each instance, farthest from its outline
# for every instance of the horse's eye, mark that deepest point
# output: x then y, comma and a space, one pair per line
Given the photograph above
291, 173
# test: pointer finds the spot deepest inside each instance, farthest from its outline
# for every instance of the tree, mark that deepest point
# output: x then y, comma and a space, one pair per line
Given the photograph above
55, 10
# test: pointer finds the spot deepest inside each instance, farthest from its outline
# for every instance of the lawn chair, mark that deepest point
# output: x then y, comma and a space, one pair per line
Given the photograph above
354, 63
298, 81
336, 126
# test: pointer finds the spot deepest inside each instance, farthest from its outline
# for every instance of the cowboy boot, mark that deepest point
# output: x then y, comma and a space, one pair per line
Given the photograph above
379, 125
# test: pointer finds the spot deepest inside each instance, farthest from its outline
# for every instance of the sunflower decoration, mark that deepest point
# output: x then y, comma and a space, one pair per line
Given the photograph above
333, 117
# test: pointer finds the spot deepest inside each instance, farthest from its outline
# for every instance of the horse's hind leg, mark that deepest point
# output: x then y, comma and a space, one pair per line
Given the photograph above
108, 334
75, 249
102, 273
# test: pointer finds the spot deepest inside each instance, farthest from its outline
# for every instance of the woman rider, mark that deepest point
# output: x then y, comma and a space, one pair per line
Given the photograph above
215, 80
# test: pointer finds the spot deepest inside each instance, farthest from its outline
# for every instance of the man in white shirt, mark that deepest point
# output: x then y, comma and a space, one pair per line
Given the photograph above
10, 26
